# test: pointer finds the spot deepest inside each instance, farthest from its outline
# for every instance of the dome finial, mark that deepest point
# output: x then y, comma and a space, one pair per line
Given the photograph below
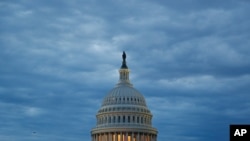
124, 65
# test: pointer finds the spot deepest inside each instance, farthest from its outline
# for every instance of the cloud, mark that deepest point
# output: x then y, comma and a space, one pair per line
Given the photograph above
58, 60
206, 82
32, 111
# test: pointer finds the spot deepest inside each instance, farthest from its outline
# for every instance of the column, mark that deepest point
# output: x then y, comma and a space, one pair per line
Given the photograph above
137, 136
132, 136
126, 137
121, 136
110, 139
116, 137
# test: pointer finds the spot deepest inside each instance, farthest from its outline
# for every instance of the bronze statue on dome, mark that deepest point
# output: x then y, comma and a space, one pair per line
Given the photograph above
124, 65
124, 56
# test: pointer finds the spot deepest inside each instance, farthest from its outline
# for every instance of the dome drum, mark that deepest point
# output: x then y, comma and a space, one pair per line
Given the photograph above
124, 119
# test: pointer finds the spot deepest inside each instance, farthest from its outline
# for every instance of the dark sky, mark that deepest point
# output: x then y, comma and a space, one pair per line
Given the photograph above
58, 60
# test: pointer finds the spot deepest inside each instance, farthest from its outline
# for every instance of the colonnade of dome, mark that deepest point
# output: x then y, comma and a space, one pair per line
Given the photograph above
124, 115
124, 136
120, 119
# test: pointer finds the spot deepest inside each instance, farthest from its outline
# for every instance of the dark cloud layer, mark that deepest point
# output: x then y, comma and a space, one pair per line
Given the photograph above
59, 58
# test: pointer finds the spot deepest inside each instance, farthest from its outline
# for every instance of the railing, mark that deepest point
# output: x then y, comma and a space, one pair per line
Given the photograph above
123, 125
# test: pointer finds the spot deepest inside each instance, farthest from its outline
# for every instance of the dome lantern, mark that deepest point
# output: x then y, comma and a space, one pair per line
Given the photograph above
124, 72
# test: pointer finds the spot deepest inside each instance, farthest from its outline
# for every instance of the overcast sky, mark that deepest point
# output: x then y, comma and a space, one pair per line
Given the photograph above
58, 60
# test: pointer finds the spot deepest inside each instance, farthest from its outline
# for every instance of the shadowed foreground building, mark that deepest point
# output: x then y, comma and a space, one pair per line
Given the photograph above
124, 115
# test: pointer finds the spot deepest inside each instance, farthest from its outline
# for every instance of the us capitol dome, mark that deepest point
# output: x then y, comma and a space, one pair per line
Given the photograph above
124, 115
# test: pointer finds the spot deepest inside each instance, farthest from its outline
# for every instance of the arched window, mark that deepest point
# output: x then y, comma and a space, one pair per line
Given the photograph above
119, 119
123, 119
128, 119
109, 119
